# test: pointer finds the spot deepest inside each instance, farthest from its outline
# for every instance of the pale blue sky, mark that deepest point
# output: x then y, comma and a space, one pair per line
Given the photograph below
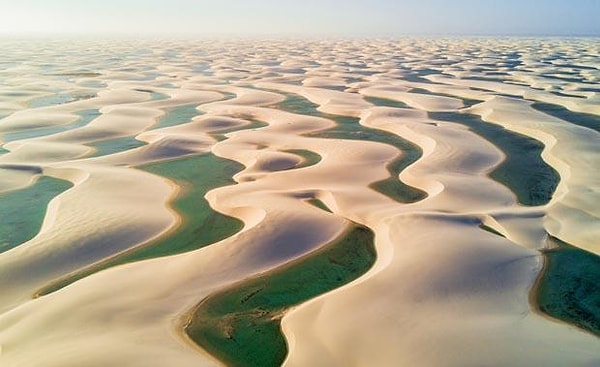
313, 17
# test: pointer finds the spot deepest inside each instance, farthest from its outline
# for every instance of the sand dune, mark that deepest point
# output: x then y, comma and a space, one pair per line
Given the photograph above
454, 279
482, 283
572, 214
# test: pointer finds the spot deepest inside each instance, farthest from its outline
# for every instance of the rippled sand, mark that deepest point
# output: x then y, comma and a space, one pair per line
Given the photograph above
458, 252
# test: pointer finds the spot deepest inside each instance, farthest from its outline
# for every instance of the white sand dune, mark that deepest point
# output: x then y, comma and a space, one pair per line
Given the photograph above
585, 105
126, 208
443, 291
275, 238
415, 100
329, 101
454, 164
13, 179
482, 282
572, 150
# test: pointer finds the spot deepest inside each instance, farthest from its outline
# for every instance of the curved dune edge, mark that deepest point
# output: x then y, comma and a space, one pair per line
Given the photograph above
587, 105
349, 128
75, 216
317, 227
220, 254
81, 228
430, 253
179, 136
317, 327
571, 150
22, 211
240, 324
400, 328
321, 337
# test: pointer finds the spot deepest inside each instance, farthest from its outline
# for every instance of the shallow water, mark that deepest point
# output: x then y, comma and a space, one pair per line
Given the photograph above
22, 211
578, 118
85, 117
117, 145
310, 158
523, 171
178, 115
568, 288
350, 128
241, 324
201, 225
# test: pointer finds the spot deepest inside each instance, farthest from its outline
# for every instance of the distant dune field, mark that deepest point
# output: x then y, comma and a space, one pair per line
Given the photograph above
410, 202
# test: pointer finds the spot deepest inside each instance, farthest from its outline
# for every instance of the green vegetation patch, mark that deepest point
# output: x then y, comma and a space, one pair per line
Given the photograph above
200, 226
466, 101
569, 287
523, 171
349, 128
220, 135
319, 204
178, 115
117, 145
22, 211
309, 158
385, 102
491, 230
241, 324
85, 117
582, 119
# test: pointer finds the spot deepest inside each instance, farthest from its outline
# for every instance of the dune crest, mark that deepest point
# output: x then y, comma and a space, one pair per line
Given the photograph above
283, 146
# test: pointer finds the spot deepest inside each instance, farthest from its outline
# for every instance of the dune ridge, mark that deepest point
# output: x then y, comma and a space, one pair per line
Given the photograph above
454, 271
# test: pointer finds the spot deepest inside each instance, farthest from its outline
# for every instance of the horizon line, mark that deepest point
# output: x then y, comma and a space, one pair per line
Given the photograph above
208, 35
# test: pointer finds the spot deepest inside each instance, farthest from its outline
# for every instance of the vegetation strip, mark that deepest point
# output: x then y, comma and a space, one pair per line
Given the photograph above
200, 226
523, 171
309, 158
85, 117
221, 135
349, 128
468, 102
117, 145
22, 211
384, 102
577, 118
241, 324
52, 100
176, 116
568, 288
319, 204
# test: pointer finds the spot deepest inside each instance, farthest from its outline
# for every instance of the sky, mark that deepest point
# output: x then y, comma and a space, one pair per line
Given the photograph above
305, 17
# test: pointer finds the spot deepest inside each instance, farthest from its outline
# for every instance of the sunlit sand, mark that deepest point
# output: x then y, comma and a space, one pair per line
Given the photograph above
170, 178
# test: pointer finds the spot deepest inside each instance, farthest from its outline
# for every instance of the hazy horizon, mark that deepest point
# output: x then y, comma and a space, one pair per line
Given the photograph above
308, 18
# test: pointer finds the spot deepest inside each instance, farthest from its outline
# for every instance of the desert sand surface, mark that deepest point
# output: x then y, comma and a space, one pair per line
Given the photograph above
424, 142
